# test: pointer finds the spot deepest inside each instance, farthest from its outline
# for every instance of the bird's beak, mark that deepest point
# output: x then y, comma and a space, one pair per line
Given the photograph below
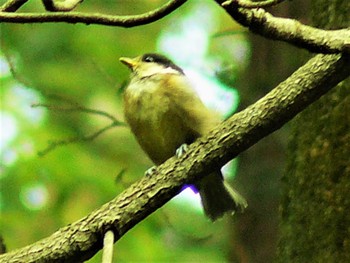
129, 62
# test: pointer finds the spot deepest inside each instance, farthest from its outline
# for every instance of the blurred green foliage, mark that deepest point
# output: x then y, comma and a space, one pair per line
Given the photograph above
60, 63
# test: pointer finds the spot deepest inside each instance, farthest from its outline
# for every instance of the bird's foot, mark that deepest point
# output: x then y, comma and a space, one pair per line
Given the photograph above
181, 150
150, 171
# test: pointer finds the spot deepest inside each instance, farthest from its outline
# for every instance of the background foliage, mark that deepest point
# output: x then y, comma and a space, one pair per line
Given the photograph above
61, 64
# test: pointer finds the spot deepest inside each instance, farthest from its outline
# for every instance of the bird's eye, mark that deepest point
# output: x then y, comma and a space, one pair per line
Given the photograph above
149, 59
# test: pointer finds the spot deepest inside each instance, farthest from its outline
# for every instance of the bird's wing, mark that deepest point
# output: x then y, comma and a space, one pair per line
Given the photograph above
186, 102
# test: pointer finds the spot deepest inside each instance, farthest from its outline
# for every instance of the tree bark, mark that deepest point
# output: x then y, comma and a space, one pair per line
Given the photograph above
315, 218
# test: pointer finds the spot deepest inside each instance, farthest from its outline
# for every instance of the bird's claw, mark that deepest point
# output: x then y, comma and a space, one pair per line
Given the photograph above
150, 171
181, 150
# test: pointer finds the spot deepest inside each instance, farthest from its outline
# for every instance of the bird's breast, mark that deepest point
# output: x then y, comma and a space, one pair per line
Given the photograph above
154, 121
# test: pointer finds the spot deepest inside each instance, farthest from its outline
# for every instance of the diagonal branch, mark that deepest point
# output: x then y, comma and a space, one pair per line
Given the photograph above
289, 30
82, 239
250, 4
12, 5
96, 18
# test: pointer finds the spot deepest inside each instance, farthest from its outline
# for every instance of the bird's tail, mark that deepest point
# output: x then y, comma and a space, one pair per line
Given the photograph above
218, 197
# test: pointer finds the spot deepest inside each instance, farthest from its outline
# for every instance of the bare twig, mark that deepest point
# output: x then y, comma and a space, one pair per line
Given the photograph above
288, 30
61, 6
108, 242
80, 108
75, 107
100, 19
12, 5
54, 144
250, 4
11, 63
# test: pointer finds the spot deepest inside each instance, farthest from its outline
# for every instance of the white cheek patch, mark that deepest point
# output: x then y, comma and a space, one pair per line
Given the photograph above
146, 83
169, 70
159, 70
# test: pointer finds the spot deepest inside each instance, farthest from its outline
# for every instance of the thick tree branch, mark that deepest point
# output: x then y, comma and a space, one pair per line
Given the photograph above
100, 19
289, 30
82, 239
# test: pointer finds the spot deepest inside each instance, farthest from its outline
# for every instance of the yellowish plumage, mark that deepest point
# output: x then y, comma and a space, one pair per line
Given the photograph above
164, 112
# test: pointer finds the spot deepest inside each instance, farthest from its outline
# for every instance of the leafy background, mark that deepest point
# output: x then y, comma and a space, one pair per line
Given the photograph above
61, 65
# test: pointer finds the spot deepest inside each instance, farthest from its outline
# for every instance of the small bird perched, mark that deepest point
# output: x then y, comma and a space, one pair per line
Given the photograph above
164, 113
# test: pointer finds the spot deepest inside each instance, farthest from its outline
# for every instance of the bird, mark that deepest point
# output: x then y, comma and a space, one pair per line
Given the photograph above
165, 114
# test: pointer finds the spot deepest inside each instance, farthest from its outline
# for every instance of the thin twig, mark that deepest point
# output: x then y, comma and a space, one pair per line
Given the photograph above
79, 108
61, 6
250, 4
11, 63
54, 144
96, 18
76, 107
12, 5
108, 241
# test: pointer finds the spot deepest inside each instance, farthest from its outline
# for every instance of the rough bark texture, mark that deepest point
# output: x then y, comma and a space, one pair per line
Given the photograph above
315, 211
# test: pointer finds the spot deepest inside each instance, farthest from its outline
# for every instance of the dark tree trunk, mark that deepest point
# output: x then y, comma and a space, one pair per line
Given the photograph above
261, 166
315, 218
